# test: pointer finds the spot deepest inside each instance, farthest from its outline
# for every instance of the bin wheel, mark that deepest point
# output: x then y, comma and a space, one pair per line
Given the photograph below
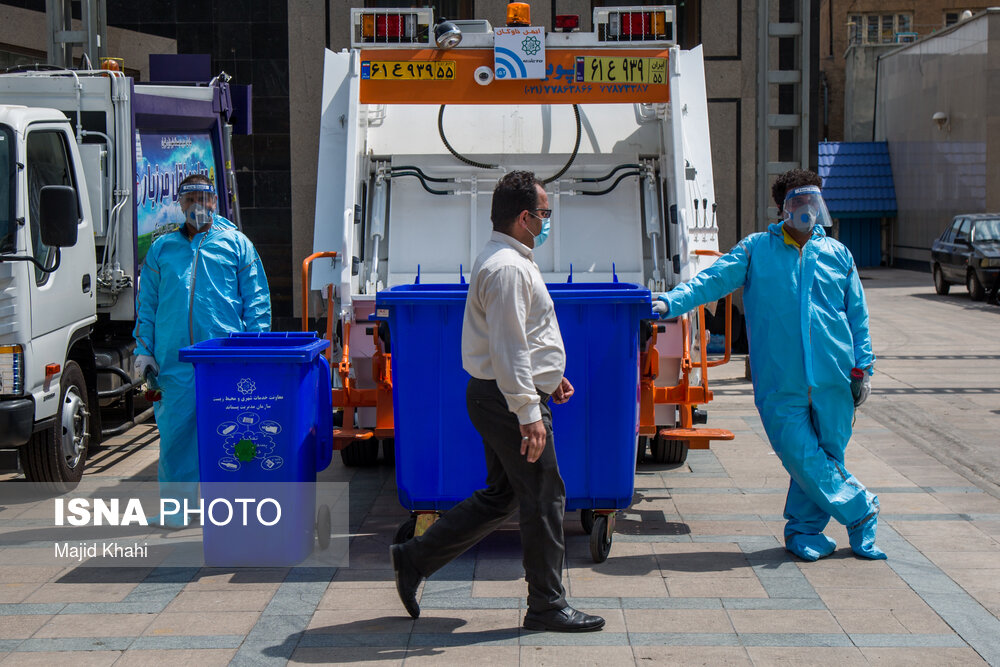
389, 451
360, 454
669, 451
600, 538
587, 521
323, 526
640, 450
405, 531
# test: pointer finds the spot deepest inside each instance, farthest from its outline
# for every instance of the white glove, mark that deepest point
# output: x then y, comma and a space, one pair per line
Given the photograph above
144, 361
866, 389
660, 307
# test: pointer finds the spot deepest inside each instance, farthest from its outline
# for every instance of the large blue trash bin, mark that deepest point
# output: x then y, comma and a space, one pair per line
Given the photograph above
264, 430
439, 455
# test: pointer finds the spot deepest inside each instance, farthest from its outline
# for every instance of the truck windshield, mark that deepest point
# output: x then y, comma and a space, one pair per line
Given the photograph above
7, 225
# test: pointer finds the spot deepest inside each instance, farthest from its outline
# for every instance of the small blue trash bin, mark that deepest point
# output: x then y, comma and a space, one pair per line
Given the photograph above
265, 425
439, 454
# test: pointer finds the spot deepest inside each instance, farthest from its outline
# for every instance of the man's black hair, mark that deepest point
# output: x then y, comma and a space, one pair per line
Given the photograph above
794, 178
515, 192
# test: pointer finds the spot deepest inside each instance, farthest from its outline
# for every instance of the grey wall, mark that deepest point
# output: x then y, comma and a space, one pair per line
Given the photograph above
860, 63
939, 173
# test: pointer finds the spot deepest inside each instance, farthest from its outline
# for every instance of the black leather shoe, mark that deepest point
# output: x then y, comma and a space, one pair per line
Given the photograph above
407, 580
566, 619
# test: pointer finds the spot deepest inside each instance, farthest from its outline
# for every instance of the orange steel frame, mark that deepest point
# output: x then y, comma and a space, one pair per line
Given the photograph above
684, 395
348, 397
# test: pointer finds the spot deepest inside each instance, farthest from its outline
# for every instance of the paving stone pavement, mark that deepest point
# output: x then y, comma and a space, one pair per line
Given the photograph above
697, 573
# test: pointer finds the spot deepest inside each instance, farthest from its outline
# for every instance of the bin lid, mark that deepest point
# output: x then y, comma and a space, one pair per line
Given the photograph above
269, 347
560, 292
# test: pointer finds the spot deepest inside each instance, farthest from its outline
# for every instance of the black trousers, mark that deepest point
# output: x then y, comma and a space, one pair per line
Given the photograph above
511, 483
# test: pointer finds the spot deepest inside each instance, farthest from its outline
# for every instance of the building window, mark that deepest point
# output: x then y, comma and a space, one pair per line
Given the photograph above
953, 16
878, 28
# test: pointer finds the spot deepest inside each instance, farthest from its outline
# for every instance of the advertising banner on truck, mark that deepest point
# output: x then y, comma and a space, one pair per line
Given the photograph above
162, 161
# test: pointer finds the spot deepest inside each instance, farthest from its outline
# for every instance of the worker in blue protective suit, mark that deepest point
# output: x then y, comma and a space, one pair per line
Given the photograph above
807, 324
203, 281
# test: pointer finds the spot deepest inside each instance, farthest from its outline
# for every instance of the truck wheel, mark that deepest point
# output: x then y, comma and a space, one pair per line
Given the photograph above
389, 451
976, 289
56, 455
941, 286
360, 454
669, 451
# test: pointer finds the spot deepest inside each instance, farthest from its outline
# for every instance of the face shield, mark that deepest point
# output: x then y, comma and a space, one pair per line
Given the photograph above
804, 207
198, 203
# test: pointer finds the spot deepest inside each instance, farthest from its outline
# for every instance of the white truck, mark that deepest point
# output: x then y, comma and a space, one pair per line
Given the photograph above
421, 117
89, 166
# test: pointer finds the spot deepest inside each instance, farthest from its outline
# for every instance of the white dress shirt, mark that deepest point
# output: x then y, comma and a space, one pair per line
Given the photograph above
510, 333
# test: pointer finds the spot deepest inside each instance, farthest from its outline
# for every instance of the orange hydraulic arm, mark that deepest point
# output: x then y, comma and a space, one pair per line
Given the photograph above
683, 394
348, 396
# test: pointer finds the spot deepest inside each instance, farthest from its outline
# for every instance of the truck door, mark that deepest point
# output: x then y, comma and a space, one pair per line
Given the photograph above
66, 295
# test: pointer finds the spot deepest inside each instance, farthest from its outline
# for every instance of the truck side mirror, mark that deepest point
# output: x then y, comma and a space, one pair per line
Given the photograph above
59, 215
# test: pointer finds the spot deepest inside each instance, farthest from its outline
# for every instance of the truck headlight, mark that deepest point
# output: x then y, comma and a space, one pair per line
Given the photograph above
11, 370
988, 262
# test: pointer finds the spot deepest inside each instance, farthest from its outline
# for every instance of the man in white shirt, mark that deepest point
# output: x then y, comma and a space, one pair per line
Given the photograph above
512, 348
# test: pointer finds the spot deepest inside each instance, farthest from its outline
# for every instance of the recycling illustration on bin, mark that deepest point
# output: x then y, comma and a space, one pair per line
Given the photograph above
264, 431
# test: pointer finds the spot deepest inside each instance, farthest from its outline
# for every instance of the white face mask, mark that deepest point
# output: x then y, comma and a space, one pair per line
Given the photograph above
199, 217
804, 219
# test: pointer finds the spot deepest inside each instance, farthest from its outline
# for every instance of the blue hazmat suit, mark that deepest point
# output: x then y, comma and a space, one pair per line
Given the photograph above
807, 325
192, 288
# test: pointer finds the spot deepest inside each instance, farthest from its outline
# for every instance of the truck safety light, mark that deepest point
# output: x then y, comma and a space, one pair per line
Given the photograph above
11, 370
567, 22
518, 14
634, 24
381, 27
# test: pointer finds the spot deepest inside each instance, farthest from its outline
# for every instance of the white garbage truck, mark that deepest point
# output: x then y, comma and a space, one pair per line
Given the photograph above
422, 116
89, 167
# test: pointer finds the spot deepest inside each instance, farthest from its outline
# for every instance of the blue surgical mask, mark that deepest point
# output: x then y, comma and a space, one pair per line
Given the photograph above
544, 234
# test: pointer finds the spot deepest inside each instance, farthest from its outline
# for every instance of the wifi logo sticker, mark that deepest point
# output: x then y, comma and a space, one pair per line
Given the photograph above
519, 53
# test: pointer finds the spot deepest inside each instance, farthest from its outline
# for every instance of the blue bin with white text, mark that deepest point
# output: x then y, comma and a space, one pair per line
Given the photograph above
264, 431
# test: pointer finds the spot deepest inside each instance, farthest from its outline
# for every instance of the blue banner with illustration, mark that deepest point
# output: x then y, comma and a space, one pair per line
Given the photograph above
162, 161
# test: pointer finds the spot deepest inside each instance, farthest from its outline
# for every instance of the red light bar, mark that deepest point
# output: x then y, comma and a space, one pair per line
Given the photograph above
636, 23
567, 22
390, 26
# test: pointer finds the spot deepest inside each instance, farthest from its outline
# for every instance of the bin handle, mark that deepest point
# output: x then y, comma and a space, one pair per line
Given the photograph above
324, 423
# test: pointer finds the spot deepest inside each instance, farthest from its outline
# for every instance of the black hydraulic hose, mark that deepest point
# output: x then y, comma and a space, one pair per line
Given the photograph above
576, 147
612, 186
609, 174
473, 163
432, 179
422, 183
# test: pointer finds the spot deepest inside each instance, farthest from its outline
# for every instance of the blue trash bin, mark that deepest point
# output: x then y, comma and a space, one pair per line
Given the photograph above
439, 455
265, 425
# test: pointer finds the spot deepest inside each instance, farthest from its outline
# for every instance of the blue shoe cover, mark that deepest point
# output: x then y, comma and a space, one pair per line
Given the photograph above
862, 537
810, 547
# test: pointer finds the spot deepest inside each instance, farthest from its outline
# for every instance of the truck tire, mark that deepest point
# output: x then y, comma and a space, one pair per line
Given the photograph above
669, 451
56, 455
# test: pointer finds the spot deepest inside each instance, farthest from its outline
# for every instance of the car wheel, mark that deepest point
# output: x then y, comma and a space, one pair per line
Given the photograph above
941, 286
976, 289
55, 456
